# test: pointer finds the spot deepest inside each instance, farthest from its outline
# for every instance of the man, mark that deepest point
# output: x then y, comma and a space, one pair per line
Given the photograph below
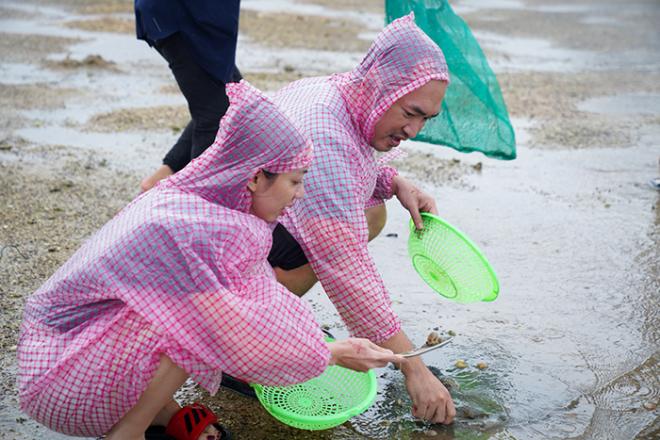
386, 99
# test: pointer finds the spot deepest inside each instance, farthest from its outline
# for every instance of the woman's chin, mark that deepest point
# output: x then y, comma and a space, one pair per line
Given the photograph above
273, 218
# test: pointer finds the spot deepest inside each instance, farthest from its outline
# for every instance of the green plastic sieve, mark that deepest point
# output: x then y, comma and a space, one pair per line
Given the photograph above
450, 263
323, 402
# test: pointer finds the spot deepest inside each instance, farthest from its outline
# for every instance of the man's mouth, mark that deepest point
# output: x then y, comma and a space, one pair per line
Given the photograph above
394, 141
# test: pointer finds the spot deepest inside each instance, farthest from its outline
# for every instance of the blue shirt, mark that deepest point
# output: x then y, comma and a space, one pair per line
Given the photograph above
210, 27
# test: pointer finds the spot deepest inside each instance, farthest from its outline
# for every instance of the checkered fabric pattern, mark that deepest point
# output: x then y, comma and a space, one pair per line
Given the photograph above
180, 271
339, 114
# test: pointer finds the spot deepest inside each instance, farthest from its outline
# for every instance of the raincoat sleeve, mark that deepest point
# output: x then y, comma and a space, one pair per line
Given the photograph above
271, 339
258, 331
383, 189
333, 232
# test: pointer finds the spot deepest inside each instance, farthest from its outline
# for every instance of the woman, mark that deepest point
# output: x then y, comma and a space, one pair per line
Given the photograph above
177, 285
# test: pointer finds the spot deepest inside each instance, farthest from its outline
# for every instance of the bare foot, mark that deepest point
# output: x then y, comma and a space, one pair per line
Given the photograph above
149, 182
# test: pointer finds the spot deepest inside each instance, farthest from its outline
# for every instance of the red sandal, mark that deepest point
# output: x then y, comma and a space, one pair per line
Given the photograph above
190, 422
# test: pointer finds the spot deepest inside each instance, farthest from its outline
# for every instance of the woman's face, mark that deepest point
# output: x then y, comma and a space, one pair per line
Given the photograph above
270, 195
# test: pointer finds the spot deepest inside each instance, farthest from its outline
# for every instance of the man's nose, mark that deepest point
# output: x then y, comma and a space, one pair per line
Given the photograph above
414, 127
300, 193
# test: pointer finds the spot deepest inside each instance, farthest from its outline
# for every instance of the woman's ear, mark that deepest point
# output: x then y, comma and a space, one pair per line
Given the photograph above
254, 182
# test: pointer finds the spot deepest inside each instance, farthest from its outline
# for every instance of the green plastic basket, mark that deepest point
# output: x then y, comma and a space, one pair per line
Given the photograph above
450, 263
323, 402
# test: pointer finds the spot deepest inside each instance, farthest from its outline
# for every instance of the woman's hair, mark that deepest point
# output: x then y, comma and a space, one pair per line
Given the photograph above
269, 175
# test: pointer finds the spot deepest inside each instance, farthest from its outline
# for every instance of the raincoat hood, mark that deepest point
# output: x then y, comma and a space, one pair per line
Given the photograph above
254, 135
401, 59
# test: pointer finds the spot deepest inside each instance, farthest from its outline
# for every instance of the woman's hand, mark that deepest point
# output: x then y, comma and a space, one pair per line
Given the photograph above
361, 354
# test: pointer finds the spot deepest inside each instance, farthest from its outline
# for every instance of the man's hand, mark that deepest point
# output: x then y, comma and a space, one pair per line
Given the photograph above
413, 199
431, 400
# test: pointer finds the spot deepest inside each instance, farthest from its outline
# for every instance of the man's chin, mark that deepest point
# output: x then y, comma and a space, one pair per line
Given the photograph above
383, 147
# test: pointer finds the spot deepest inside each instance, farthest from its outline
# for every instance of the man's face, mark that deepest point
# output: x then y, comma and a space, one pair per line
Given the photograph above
407, 115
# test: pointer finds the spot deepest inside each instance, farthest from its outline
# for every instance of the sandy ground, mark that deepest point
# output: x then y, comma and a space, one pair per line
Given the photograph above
79, 128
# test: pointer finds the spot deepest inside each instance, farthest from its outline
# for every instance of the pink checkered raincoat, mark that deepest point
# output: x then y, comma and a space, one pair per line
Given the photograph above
339, 113
180, 271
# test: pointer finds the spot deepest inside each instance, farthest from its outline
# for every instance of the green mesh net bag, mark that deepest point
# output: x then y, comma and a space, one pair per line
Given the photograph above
474, 116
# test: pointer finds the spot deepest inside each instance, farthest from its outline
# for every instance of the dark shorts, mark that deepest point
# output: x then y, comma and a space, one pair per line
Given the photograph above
286, 253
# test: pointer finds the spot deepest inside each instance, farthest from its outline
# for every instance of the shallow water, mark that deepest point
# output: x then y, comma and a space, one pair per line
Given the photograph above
573, 335
628, 104
572, 343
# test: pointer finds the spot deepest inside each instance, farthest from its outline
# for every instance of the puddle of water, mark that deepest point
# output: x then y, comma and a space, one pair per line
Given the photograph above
303, 60
46, 26
38, 11
121, 49
368, 36
595, 20
118, 93
128, 151
629, 104
20, 73
532, 54
477, 5
564, 8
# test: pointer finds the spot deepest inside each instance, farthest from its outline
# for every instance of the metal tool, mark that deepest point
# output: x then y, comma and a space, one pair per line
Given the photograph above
425, 349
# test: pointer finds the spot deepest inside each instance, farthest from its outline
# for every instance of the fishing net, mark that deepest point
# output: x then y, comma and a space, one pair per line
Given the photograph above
474, 116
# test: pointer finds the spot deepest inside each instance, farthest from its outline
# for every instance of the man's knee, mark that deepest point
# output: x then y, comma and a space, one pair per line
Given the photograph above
298, 280
376, 218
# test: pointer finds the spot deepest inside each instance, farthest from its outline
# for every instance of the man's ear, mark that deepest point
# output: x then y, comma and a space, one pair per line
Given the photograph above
254, 182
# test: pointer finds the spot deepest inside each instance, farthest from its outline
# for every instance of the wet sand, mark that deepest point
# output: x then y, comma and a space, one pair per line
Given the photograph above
571, 227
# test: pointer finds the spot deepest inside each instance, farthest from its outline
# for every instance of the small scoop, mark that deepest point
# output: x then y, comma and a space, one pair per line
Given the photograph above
425, 349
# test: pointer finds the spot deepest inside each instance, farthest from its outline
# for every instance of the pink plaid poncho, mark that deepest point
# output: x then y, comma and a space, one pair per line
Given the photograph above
339, 114
180, 271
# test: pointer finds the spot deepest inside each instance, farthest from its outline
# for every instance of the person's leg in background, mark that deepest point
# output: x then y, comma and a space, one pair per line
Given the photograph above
207, 103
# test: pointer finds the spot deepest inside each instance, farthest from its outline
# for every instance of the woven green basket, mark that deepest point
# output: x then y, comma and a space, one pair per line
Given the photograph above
323, 402
450, 263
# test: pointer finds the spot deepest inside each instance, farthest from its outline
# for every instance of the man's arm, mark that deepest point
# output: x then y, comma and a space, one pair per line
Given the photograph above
332, 229
431, 400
